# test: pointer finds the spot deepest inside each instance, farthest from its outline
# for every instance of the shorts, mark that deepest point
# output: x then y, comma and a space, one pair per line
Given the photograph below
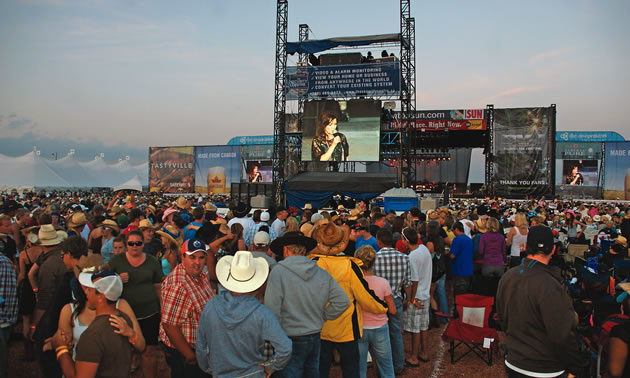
417, 319
150, 328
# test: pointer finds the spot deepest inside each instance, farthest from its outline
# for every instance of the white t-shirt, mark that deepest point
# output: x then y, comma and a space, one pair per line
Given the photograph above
279, 227
246, 222
420, 263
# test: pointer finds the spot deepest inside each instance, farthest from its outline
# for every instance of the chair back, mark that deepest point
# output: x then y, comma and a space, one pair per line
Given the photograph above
474, 309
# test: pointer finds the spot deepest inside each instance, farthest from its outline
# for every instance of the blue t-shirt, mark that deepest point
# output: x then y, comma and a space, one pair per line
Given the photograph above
191, 232
462, 248
361, 242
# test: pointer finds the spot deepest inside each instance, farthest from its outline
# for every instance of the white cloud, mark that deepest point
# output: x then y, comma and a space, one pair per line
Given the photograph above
550, 54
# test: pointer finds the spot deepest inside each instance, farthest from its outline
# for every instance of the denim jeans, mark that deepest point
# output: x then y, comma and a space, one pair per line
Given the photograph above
514, 261
5, 335
395, 335
378, 340
349, 354
440, 292
304, 358
179, 367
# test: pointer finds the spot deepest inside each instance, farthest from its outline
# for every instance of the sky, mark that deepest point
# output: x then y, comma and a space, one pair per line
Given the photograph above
118, 76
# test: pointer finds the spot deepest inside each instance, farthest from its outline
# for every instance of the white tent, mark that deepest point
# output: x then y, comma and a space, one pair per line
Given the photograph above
29, 170
133, 184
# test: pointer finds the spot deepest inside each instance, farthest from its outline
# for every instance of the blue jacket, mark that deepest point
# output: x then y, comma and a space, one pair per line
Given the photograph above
231, 336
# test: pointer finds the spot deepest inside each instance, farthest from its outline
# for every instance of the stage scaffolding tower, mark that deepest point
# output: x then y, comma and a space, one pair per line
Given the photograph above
407, 96
280, 101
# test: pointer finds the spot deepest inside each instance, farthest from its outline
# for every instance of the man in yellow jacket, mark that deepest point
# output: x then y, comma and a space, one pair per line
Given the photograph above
344, 332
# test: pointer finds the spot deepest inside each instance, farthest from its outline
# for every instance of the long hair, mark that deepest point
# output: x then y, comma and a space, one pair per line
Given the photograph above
324, 120
433, 236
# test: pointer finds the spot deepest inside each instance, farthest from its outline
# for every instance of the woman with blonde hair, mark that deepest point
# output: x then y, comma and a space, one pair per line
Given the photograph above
375, 326
517, 239
169, 257
492, 249
292, 225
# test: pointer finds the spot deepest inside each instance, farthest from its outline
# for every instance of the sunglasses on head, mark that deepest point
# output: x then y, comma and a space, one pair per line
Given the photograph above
134, 243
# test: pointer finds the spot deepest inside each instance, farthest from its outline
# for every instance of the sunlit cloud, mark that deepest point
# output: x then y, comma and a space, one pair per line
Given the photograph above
550, 54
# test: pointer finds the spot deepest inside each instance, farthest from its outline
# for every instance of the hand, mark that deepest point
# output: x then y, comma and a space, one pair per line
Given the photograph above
121, 326
124, 277
61, 338
47, 344
418, 304
267, 372
336, 140
190, 357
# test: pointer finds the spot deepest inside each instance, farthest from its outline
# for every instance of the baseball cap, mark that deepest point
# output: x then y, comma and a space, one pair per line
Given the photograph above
264, 216
105, 282
540, 238
261, 238
193, 246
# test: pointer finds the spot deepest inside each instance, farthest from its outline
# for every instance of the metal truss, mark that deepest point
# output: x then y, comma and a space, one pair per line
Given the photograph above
280, 101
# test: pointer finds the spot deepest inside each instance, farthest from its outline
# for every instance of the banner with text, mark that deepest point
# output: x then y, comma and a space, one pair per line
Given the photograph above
216, 167
440, 120
522, 151
171, 169
617, 170
367, 79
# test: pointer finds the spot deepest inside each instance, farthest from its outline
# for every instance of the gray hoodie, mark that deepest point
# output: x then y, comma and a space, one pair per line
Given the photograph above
303, 296
231, 335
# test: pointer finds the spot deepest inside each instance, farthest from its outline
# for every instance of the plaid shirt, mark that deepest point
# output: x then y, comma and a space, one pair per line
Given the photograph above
249, 234
394, 267
8, 292
183, 299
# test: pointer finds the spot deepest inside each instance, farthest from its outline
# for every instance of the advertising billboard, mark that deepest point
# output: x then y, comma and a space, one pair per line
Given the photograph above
522, 151
171, 169
341, 130
617, 170
440, 120
216, 167
351, 80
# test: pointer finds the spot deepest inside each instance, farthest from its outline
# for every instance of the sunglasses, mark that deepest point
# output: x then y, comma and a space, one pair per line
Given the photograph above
135, 244
402, 233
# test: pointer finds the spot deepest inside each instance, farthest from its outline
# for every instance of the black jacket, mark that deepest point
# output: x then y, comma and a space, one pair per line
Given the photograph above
539, 320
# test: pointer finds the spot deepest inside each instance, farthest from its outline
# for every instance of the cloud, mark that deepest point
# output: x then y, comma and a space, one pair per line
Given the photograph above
549, 54
511, 92
12, 126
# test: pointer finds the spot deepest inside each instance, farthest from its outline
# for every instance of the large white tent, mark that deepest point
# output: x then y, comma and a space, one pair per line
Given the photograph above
31, 170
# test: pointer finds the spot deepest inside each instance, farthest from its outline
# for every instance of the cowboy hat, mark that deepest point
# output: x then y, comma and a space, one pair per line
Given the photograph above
170, 231
151, 209
223, 227
622, 240
242, 273
306, 228
145, 223
29, 230
48, 236
116, 210
168, 212
168, 237
596, 218
307, 206
77, 219
108, 223
182, 203
87, 266
354, 214
241, 210
331, 239
209, 206
290, 238
481, 225
293, 210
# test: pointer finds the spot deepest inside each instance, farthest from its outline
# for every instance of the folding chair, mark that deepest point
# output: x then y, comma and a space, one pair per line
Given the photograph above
471, 329
576, 250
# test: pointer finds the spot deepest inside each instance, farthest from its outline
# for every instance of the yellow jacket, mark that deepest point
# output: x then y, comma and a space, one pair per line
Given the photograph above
347, 272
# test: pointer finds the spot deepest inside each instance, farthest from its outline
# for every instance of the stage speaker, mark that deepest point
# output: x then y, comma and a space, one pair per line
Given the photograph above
260, 201
336, 59
428, 204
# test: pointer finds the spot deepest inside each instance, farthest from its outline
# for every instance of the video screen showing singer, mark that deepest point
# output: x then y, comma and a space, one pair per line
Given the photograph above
575, 177
328, 143
254, 175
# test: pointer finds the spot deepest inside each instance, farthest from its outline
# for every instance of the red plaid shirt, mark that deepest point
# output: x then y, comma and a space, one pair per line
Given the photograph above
182, 300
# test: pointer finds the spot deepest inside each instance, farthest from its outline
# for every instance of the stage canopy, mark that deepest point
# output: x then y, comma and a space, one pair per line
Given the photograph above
317, 45
317, 188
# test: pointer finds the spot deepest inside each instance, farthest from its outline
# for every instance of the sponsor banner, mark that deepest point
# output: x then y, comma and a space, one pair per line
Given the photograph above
216, 168
367, 79
522, 151
251, 140
440, 120
588, 136
579, 151
617, 170
171, 169
262, 152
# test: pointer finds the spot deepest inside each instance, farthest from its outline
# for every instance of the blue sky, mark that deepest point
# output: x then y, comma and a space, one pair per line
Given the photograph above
119, 76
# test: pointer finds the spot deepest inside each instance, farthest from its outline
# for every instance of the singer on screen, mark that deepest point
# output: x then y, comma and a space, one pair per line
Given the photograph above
328, 143
575, 177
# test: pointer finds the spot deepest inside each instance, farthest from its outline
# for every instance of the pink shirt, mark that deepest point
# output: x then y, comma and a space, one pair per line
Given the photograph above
381, 288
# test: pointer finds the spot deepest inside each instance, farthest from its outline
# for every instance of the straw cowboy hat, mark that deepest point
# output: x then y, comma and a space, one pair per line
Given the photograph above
29, 230
622, 240
481, 225
354, 214
182, 203
307, 206
242, 273
108, 223
145, 223
168, 237
209, 206
290, 238
596, 218
331, 239
151, 209
223, 227
77, 219
48, 236
88, 265
116, 210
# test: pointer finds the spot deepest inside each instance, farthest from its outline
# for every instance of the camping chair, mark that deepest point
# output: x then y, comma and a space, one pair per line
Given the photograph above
471, 329
576, 250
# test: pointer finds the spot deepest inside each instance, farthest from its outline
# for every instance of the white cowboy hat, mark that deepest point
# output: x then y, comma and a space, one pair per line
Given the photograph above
49, 236
242, 273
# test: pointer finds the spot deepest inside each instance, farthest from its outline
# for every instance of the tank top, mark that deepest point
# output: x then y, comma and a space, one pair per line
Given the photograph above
78, 328
519, 243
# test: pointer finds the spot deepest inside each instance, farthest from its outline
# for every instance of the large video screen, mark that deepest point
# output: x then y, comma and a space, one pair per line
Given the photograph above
580, 172
259, 171
341, 130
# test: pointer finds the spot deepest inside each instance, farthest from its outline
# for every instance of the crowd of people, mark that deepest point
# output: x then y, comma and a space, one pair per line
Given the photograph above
103, 282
